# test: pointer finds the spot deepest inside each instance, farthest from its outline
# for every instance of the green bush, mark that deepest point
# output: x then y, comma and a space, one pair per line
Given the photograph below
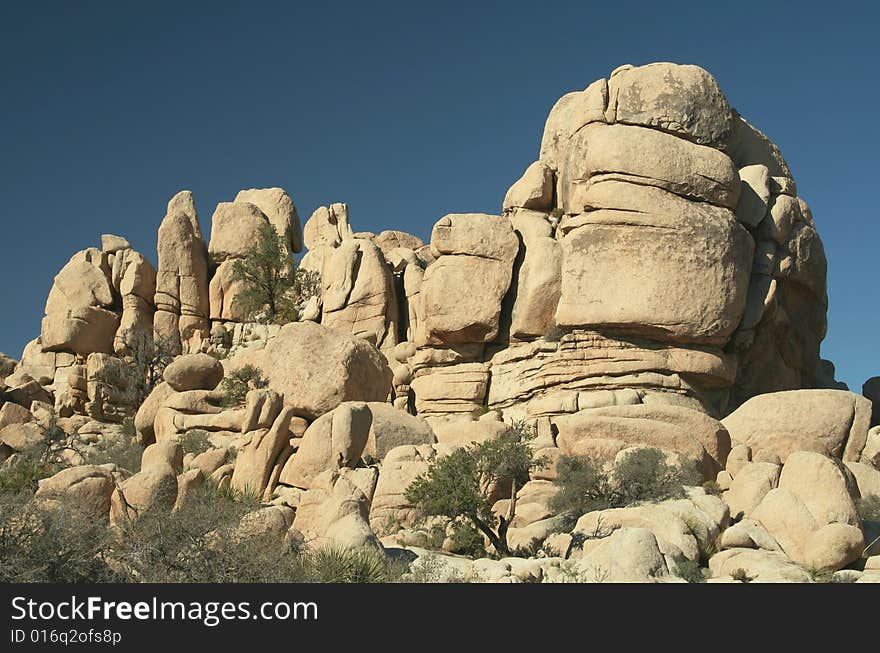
237, 384
642, 475
689, 570
869, 507
22, 474
458, 486
194, 441
123, 451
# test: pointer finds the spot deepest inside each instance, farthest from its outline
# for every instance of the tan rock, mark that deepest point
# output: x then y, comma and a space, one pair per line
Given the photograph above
327, 226
11, 413
358, 293
145, 417
223, 291
628, 555
833, 422
21, 437
534, 190
604, 432
335, 514
391, 428
650, 157
335, 440
193, 372
867, 478
390, 510
681, 99
235, 227
77, 317
468, 246
278, 207
259, 455
390, 240
749, 486
698, 297
88, 487
571, 112
758, 566
537, 281
317, 368
833, 546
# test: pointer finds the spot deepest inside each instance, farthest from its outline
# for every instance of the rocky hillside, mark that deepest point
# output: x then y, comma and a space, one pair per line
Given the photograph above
653, 282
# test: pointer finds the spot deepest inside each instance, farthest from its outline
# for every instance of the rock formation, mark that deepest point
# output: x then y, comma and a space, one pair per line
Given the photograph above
653, 280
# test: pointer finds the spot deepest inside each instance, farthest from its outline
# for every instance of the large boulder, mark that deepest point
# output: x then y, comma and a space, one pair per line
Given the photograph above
813, 492
390, 511
268, 426
79, 315
392, 427
335, 513
358, 292
333, 441
603, 432
617, 271
182, 300
468, 246
830, 422
681, 99
89, 487
278, 207
628, 555
193, 372
317, 368
235, 227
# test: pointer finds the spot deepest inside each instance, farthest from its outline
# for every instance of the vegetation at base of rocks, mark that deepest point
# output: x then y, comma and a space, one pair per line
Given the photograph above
273, 288
460, 485
52, 543
689, 570
641, 475
869, 507
432, 569
741, 575
123, 451
23, 471
56, 541
144, 363
237, 384
712, 487
194, 441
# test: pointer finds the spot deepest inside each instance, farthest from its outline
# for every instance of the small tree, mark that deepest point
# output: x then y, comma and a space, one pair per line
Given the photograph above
459, 485
273, 288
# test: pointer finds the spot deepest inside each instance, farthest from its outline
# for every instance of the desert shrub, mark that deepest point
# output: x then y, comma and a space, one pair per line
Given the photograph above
869, 507
642, 475
194, 441
23, 474
124, 451
458, 486
741, 575
345, 566
196, 543
237, 384
712, 487
689, 570
51, 543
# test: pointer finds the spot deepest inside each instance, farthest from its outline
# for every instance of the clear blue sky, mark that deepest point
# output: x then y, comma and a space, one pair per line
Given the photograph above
407, 111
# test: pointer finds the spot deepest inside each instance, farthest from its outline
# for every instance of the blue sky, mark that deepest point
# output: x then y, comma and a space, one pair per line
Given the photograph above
407, 111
